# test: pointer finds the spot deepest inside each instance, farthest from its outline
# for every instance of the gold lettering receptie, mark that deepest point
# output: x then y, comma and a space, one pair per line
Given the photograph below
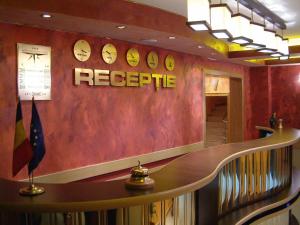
98, 77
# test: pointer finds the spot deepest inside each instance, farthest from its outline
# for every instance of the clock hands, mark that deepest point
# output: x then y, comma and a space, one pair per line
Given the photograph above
153, 60
109, 56
132, 56
83, 51
109, 53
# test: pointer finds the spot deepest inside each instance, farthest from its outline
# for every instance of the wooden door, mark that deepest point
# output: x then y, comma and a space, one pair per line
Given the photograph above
235, 111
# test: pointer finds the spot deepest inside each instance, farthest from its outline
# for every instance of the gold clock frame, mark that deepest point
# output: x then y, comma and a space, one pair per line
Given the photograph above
82, 50
109, 53
170, 63
133, 57
152, 60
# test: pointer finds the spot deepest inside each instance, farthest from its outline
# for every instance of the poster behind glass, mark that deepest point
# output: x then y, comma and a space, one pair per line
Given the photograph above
34, 72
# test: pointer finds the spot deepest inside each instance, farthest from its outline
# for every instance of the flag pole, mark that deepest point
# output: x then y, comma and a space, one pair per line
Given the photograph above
37, 142
32, 189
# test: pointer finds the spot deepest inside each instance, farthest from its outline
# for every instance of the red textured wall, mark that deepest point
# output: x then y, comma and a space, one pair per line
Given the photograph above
259, 98
273, 89
286, 94
87, 125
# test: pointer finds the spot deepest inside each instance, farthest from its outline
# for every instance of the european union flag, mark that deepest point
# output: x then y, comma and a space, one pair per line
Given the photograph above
36, 139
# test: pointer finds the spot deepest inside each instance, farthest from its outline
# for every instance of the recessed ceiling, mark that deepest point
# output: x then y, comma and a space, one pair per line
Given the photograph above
287, 10
145, 25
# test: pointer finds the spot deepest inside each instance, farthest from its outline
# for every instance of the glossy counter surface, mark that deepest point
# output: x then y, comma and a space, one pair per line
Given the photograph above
185, 174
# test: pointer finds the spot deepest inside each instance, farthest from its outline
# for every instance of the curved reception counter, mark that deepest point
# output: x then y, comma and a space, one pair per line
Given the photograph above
230, 184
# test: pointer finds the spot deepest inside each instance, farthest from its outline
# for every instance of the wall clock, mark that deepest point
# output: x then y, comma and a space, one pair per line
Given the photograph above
152, 60
109, 53
170, 62
82, 50
133, 57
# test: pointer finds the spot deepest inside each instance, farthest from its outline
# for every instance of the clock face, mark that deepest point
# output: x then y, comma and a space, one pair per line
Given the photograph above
82, 50
133, 57
109, 53
170, 62
152, 60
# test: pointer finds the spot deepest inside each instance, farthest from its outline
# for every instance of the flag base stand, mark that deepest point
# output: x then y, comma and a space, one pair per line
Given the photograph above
32, 190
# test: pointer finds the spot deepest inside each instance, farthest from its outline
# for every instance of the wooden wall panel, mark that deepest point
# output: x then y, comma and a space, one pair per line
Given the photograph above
235, 114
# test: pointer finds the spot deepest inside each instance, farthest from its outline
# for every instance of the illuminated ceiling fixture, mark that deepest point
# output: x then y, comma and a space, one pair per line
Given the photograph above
279, 42
270, 41
199, 15
121, 27
286, 57
257, 35
221, 21
284, 47
46, 15
277, 54
240, 26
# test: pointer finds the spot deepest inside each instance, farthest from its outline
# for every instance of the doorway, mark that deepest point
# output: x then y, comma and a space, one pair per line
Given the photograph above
223, 109
216, 120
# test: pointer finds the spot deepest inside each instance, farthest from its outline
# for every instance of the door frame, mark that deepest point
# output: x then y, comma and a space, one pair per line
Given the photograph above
216, 73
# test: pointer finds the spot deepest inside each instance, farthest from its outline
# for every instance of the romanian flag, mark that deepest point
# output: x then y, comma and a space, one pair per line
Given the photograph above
22, 149
36, 139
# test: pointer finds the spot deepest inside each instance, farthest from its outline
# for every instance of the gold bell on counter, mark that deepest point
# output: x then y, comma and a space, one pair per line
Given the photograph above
139, 179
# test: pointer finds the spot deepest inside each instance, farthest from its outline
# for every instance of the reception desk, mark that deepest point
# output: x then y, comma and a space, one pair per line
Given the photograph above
226, 184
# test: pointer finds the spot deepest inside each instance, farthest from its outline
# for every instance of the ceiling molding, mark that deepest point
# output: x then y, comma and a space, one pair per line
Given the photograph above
246, 54
253, 54
282, 62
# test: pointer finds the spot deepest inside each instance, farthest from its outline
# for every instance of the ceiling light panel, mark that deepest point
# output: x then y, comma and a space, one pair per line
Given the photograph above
239, 29
221, 20
269, 40
199, 14
257, 33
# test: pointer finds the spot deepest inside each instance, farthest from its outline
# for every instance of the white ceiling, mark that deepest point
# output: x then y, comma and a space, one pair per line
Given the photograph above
286, 9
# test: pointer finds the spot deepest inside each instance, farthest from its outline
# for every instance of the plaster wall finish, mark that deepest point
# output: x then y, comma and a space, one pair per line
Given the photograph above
285, 82
249, 126
259, 98
86, 125
274, 89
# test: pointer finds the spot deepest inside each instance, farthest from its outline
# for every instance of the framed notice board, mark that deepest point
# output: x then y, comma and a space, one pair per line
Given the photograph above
34, 72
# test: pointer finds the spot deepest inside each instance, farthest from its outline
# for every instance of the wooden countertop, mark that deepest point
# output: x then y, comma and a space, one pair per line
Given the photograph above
185, 174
